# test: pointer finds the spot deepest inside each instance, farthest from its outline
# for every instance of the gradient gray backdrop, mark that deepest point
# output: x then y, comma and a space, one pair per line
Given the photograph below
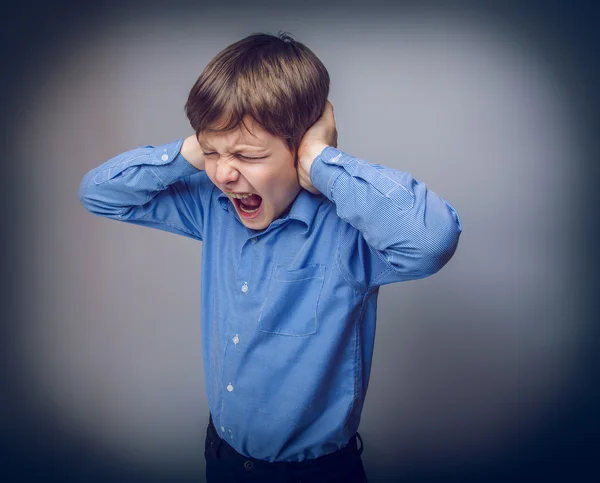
478, 370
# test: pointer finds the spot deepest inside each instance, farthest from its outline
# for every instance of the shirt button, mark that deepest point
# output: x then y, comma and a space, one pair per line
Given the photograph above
236, 339
164, 157
223, 429
249, 465
245, 287
230, 387
254, 240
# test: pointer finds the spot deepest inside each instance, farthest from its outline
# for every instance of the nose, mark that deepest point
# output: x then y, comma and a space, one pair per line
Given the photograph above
226, 173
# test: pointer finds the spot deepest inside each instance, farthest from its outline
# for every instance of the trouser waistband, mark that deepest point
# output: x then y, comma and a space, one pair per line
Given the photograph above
331, 459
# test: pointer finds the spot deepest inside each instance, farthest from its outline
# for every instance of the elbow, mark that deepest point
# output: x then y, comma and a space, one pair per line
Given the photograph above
86, 197
428, 251
443, 232
440, 245
92, 199
443, 252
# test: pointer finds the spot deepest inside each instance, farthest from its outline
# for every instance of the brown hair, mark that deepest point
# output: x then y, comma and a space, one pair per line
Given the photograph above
276, 80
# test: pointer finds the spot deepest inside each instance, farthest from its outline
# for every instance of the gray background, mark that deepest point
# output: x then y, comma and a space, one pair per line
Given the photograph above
472, 366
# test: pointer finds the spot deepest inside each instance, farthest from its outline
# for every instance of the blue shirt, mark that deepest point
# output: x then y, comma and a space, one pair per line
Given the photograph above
288, 313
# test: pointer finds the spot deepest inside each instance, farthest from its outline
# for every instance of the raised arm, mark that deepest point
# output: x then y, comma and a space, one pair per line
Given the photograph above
162, 187
397, 229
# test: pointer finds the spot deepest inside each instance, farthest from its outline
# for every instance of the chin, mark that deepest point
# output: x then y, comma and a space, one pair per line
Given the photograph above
257, 226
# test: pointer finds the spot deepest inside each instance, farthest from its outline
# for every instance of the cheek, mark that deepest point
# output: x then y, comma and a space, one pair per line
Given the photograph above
210, 169
283, 188
289, 179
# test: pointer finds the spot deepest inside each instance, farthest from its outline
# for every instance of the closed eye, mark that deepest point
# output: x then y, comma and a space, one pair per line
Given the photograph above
239, 156
248, 157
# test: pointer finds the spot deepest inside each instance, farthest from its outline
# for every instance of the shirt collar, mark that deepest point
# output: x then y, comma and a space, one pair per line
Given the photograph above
304, 207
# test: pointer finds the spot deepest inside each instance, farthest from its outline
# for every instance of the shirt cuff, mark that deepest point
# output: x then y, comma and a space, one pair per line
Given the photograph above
170, 163
327, 168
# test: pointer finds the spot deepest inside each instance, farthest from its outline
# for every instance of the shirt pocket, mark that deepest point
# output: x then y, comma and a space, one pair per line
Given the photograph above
292, 301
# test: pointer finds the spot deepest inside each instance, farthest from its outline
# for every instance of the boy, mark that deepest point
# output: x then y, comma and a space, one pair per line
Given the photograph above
298, 236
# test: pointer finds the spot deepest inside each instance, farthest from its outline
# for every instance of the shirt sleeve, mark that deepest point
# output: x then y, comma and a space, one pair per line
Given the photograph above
150, 186
396, 228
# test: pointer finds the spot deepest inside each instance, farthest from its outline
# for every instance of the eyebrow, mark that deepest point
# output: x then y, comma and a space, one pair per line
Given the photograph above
235, 150
236, 146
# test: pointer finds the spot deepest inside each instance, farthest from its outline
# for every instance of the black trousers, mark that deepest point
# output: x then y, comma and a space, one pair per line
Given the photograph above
225, 465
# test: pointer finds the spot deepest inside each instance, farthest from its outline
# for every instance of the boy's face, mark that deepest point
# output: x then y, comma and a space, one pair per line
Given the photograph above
262, 188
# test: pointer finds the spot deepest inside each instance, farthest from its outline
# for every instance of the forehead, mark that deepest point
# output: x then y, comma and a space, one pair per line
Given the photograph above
248, 133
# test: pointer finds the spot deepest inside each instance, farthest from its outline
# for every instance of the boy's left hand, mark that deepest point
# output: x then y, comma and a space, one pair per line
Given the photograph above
320, 135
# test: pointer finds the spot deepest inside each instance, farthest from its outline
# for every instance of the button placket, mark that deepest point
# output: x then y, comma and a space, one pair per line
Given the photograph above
243, 278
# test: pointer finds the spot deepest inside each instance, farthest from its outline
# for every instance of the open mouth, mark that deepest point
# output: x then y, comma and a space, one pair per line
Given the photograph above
248, 204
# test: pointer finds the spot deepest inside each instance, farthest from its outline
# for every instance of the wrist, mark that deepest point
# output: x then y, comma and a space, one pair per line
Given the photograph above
192, 152
308, 155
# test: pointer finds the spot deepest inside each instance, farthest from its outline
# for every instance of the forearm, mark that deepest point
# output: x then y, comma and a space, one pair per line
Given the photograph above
133, 178
414, 230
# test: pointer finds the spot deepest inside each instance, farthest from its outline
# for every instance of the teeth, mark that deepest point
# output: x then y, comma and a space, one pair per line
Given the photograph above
240, 196
249, 211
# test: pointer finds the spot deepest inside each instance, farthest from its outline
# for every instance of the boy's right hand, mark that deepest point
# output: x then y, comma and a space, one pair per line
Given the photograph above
192, 152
